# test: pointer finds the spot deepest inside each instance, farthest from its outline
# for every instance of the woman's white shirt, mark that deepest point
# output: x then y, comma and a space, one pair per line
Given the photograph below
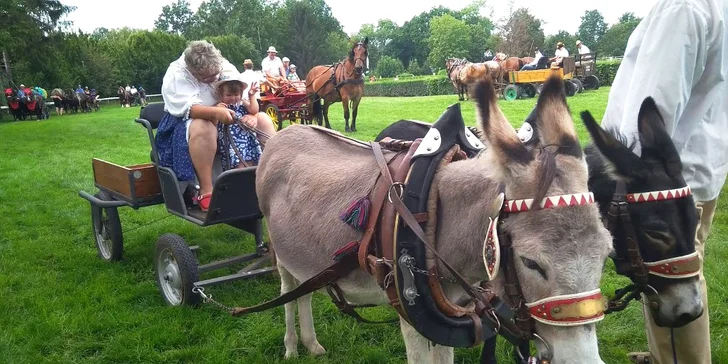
181, 90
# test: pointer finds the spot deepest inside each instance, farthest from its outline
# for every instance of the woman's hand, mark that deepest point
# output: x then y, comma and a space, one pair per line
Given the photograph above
250, 120
225, 116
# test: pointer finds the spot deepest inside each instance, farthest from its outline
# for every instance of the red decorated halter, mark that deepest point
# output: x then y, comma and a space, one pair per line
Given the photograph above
684, 266
563, 310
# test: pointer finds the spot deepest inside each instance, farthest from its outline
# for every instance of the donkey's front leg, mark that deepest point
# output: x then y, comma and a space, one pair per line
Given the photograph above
419, 349
308, 334
290, 340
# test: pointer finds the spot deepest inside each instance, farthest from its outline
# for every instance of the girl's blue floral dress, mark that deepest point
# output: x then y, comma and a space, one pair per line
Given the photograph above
239, 138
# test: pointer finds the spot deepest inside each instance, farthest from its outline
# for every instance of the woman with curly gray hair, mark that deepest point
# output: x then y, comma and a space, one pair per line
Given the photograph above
186, 138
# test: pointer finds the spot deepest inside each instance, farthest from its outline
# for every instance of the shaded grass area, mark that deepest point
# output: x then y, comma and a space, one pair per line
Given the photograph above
62, 304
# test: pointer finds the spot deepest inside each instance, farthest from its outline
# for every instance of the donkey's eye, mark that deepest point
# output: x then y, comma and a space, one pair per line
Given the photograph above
530, 264
661, 239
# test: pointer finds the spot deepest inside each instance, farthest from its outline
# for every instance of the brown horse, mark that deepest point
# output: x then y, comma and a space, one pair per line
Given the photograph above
339, 82
453, 67
463, 73
510, 64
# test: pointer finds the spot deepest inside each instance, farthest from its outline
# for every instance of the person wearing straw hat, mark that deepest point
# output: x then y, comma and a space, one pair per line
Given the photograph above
237, 144
273, 68
559, 54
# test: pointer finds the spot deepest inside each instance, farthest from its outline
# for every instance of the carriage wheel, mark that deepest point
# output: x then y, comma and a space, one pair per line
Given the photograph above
107, 230
510, 93
570, 88
275, 115
176, 268
527, 90
579, 85
591, 82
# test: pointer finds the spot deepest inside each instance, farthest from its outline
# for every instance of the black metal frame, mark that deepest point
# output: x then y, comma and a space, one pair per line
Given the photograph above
232, 203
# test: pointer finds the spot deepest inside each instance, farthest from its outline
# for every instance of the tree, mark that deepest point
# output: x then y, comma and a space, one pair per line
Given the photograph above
389, 67
592, 28
628, 17
521, 34
614, 41
234, 48
449, 37
28, 22
569, 40
176, 18
312, 35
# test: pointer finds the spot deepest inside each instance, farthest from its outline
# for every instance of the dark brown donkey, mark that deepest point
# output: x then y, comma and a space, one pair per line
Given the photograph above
342, 81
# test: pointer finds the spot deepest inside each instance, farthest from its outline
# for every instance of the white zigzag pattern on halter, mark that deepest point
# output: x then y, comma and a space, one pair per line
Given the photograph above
550, 202
659, 195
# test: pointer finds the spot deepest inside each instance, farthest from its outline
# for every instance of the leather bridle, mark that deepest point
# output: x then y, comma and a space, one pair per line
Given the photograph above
633, 265
563, 310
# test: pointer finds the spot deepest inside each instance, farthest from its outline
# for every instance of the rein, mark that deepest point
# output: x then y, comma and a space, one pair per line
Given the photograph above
634, 266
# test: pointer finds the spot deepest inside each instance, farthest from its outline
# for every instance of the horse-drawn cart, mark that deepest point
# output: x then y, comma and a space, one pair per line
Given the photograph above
527, 84
289, 103
234, 202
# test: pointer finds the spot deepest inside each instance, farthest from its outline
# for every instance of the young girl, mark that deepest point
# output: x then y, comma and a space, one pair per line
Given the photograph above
238, 147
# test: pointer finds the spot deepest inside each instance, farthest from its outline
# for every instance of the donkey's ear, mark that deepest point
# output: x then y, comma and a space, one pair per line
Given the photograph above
555, 125
655, 141
498, 132
622, 161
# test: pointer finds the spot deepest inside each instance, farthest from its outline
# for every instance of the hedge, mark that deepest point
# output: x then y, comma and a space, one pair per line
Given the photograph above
441, 85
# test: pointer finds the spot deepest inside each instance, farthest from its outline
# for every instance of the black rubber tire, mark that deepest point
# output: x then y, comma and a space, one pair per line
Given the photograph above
181, 273
579, 85
107, 230
591, 82
570, 88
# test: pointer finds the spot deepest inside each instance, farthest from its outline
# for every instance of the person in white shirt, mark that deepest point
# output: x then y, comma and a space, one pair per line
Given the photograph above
186, 138
582, 48
273, 68
532, 66
685, 42
559, 54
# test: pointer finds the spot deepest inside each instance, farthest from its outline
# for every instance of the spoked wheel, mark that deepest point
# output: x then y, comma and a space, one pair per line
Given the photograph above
275, 116
177, 271
107, 230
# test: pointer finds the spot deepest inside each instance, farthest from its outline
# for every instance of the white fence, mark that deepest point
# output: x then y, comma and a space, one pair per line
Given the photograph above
101, 100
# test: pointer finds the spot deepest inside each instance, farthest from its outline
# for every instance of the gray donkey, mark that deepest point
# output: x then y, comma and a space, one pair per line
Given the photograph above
559, 251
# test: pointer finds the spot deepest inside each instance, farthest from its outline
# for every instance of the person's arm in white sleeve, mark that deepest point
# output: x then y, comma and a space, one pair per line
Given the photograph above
181, 98
671, 59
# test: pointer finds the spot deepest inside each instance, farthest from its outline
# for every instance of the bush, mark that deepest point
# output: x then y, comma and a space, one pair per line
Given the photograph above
418, 87
606, 70
389, 67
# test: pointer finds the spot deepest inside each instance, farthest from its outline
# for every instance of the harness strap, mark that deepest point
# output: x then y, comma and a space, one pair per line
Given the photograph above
337, 296
343, 266
482, 306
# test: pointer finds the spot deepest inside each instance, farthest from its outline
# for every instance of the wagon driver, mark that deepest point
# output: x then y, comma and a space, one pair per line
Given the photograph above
273, 68
186, 139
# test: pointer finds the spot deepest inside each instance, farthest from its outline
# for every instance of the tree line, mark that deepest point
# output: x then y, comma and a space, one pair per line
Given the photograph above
39, 49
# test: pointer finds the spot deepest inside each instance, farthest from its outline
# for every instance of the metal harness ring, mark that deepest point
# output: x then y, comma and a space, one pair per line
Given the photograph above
393, 186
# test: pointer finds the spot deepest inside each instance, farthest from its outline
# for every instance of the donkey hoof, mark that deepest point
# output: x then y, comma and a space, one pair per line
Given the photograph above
353, 129
291, 354
317, 350
348, 130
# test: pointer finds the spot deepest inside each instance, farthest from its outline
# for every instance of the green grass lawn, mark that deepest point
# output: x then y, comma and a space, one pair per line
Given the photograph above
60, 303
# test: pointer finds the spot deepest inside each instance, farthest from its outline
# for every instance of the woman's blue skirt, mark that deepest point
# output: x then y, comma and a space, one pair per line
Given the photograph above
172, 147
